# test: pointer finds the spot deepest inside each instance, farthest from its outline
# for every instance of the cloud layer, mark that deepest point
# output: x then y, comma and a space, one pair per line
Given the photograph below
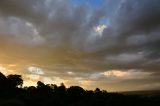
66, 41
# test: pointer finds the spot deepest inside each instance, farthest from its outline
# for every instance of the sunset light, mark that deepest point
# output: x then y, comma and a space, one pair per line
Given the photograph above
109, 44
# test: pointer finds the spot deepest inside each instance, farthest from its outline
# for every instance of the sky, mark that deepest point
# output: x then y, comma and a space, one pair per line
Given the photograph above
110, 44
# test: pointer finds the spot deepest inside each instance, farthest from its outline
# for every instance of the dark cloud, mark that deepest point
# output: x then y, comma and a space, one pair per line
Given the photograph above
60, 37
134, 28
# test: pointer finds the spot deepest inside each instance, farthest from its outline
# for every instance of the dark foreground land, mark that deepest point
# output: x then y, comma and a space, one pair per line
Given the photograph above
12, 94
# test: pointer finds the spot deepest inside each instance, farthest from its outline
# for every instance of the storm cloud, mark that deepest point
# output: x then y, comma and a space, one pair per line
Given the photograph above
65, 41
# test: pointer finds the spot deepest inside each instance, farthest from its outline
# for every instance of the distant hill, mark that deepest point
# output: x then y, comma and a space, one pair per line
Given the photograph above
142, 93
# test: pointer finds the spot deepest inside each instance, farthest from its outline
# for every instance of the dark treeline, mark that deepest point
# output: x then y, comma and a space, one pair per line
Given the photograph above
13, 94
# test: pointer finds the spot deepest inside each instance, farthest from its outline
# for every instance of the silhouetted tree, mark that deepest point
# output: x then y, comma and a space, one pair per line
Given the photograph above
30, 88
61, 88
45, 89
15, 80
97, 90
76, 90
53, 95
3, 81
40, 84
53, 86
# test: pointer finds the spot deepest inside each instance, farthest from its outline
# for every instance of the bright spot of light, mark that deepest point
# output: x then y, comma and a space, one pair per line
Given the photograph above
35, 70
99, 29
127, 74
70, 73
116, 73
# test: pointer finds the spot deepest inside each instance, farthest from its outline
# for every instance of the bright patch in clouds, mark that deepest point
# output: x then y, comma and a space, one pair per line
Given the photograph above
99, 29
70, 73
116, 73
130, 74
35, 70
121, 74
87, 83
57, 80
6, 68
33, 77
29, 83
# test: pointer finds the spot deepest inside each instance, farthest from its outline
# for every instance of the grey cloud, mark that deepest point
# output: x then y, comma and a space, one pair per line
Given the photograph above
61, 33
138, 15
133, 28
57, 21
